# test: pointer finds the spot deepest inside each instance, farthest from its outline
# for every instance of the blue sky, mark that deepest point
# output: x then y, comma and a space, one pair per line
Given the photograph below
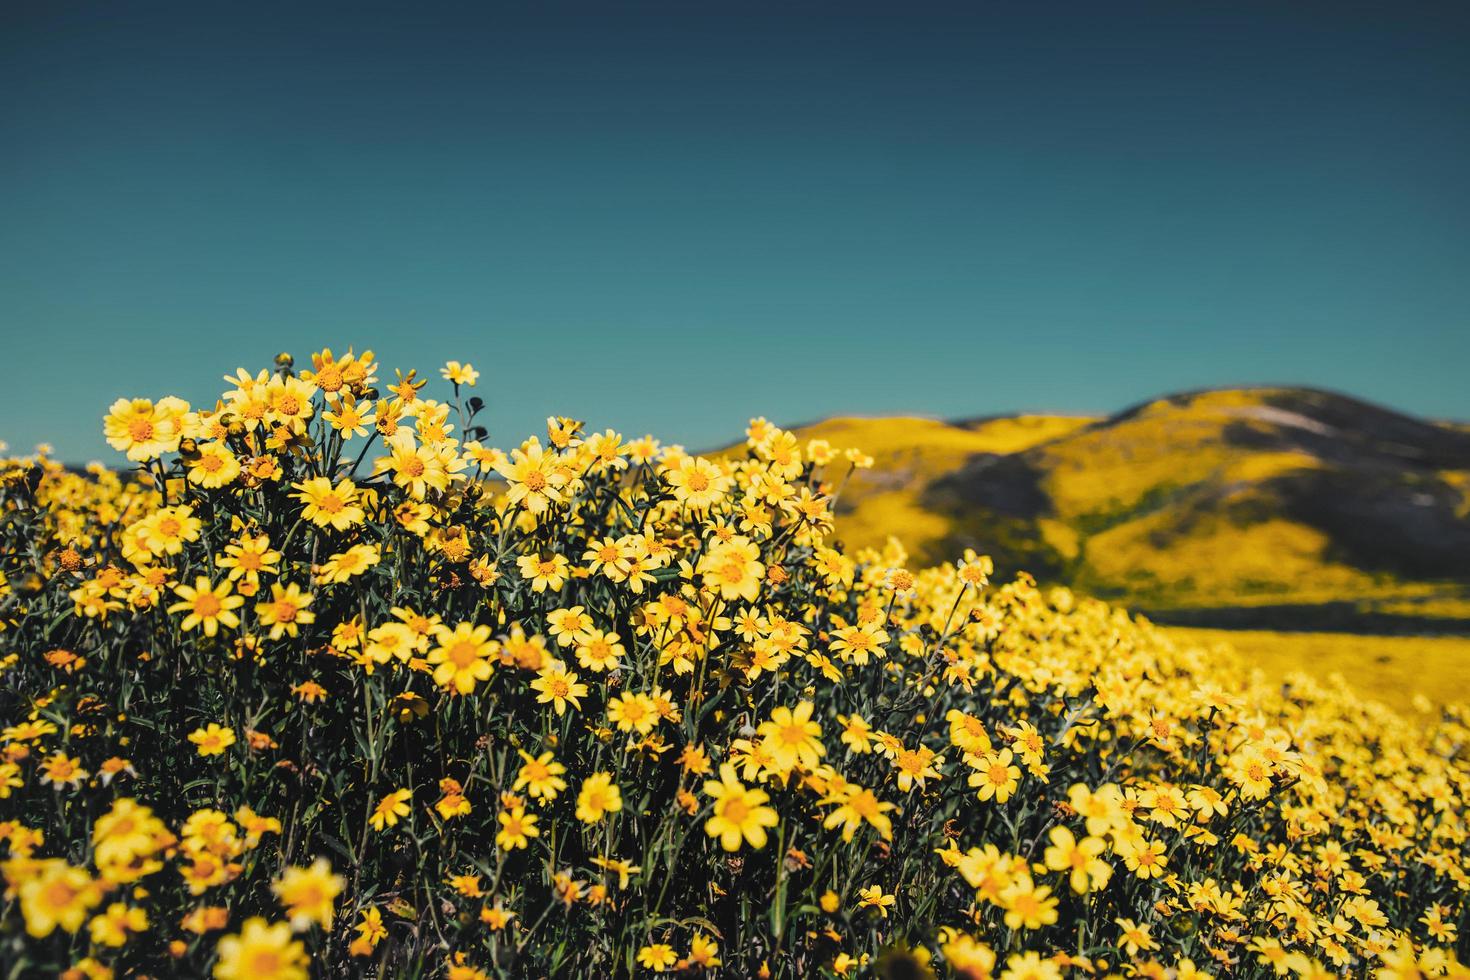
669, 217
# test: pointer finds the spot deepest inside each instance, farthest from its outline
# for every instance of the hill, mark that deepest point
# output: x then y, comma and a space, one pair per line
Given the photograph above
1283, 507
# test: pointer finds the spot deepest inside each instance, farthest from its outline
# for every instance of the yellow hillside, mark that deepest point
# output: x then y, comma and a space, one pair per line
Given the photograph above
1397, 670
1231, 499
907, 454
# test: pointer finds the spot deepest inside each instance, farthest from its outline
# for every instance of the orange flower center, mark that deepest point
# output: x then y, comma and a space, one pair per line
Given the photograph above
793, 734
60, 894
265, 962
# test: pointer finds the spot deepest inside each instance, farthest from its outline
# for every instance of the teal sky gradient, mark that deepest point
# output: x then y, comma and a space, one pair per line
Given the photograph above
669, 217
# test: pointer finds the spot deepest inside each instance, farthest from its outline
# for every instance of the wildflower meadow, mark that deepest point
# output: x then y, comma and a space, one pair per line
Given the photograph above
318, 682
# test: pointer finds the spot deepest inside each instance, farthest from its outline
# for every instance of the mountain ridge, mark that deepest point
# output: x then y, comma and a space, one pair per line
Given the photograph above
1212, 506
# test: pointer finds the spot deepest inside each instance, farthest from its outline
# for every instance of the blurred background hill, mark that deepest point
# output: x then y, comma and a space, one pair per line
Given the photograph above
1278, 508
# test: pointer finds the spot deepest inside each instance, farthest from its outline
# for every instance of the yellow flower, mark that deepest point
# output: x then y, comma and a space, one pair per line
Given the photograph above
112, 927
607, 451
516, 828
452, 803
495, 917
1030, 966
308, 893
261, 952
207, 606
60, 770
288, 402
348, 564
531, 474
28, 731
856, 806
996, 778
328, 506
1103, 809
344, 416
558, 687
459, 374
544, 573
331, 374
143, 430
418, 468
873, 897
1133, 937
56, 895
247, 558
733, 568
168, 530
10, 779
975, 571
1252, 772
633, 712
967, 733
125, 838
390, 641
856, 733
540, 776
462, 657
1144, 858
255, 825
703, 951
696, 483
657, 957
1028, 906
598, 797
569, 626
970, 960
391, 809
599, 651
1186, 969
285, 612
740, 814
857, 644
1081, 858
623, 869
370, 931
212, 739
791, 738
916, 765
214, 466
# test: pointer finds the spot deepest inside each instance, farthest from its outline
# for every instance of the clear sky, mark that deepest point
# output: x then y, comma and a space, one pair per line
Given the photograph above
669, 217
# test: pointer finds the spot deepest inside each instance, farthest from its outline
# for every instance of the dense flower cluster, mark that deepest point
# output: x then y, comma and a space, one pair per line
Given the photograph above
331, 686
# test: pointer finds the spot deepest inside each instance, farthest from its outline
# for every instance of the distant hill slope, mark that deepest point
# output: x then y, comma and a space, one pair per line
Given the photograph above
1264, 506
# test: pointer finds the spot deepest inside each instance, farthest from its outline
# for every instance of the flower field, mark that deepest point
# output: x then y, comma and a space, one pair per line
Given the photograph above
326, 685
